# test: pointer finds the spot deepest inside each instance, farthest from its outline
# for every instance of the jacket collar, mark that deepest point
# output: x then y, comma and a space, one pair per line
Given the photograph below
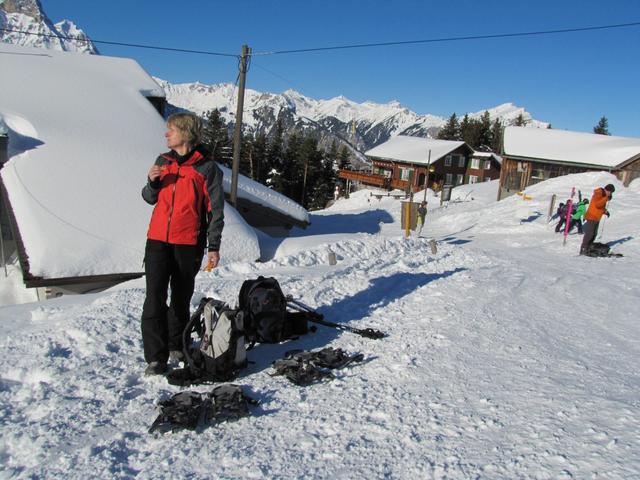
191, 158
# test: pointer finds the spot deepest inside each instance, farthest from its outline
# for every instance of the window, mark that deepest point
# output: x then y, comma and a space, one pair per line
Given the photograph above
487, 165
405, 173
461, 161
448, 179
459, 179
447, 161
475, 163
473, 179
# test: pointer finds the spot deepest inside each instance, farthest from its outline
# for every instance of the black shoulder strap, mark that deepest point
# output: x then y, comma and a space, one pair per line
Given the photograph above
195, 319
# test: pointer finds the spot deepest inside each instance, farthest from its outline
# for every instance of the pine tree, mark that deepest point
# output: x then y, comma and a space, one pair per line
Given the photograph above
246, 157
603, 126
496, 136
520, 121
485, 131
322, 189
275, 159
470, 131
343, 158
259, 158
332, 155
292, 168
215, 136
451, 130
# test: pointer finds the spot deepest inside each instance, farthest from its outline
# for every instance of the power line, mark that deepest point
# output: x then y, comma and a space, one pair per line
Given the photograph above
450, 39
336, 47
121, 44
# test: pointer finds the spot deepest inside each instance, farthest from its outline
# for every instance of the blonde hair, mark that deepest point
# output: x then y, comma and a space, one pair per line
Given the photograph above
189, 126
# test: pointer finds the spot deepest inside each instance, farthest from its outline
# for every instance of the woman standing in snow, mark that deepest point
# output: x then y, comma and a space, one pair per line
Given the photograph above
185, 185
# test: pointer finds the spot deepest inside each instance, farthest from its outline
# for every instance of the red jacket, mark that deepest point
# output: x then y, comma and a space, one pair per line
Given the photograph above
188, 199
597, 205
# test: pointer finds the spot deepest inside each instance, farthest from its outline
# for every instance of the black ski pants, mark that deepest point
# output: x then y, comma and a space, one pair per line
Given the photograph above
576, 223
590, 232
167, 265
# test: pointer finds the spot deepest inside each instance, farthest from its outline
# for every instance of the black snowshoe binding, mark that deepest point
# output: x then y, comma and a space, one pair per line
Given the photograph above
190, 410
306, 368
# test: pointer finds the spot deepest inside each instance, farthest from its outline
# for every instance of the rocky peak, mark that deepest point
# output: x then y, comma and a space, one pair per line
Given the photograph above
32, 8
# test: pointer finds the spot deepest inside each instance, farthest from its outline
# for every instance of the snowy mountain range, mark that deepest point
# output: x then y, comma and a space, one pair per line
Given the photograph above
359, 126
18, 16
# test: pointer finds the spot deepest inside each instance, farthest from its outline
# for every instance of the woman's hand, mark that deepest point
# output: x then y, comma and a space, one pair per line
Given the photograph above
213, 258
154, 173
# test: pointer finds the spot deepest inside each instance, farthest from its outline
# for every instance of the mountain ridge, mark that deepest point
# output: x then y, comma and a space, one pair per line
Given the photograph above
359, 126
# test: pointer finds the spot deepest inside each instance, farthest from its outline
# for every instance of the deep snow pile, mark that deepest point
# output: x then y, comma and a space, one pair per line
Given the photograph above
508, 356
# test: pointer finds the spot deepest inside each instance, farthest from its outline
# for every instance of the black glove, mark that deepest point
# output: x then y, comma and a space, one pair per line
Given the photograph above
607, 213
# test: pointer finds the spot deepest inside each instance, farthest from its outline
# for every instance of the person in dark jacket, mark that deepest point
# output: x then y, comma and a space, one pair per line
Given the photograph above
185, 187
562, 215
597, 208
422, 214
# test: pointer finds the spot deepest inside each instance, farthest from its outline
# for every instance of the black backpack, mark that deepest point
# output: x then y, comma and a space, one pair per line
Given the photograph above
265, 316
597, 249
218, 351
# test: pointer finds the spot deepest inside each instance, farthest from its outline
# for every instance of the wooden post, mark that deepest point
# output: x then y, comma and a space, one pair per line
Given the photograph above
551, 207
237, 133
407, 219
426, 177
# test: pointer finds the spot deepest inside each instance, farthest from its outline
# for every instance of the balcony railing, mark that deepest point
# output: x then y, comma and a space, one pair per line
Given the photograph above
373, 179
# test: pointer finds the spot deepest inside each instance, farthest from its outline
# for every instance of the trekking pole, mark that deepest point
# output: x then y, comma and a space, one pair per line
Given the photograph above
318, 318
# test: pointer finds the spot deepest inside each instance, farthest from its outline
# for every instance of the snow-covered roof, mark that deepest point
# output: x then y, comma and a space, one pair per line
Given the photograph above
488, 155
82, 136
403, 148
570, 147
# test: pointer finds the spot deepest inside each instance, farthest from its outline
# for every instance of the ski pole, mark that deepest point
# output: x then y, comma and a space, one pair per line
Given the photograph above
318, 318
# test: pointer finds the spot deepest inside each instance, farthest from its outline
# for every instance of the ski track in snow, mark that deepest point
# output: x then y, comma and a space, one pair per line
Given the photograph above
494, 367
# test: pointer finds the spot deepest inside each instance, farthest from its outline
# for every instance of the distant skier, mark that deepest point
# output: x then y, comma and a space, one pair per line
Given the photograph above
422, 213
562, 214
576, 218
597, 208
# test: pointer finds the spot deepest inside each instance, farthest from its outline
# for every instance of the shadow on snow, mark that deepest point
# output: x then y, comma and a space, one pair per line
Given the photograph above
382, 292
364, 222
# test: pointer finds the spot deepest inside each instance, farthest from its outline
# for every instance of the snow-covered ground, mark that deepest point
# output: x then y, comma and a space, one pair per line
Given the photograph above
508, 356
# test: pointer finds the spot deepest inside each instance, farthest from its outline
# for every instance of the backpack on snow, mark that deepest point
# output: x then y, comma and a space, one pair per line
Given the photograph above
265, 315
597, 249
218, 352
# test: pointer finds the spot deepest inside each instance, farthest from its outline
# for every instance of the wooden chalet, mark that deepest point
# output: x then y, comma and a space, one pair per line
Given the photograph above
531, 155
483, 167
403, 161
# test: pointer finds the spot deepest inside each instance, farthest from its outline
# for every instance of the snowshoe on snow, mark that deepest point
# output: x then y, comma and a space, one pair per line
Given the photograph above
190, 410
305, 368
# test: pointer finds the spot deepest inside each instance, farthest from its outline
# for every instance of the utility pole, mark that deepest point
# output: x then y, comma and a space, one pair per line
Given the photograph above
426, 178
237, 133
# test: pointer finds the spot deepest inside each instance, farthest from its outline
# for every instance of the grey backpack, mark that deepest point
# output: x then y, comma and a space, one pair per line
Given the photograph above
213, 345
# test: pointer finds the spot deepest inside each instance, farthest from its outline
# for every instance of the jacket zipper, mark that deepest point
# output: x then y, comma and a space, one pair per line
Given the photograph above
173, 200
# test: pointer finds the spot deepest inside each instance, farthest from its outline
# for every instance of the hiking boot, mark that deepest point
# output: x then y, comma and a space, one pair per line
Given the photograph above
156, 368
176, 356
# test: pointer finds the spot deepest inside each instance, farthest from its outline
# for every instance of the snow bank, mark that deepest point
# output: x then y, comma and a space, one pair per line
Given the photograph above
82, 136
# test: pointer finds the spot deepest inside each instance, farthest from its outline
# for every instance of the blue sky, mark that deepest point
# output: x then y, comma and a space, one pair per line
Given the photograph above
569, 80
